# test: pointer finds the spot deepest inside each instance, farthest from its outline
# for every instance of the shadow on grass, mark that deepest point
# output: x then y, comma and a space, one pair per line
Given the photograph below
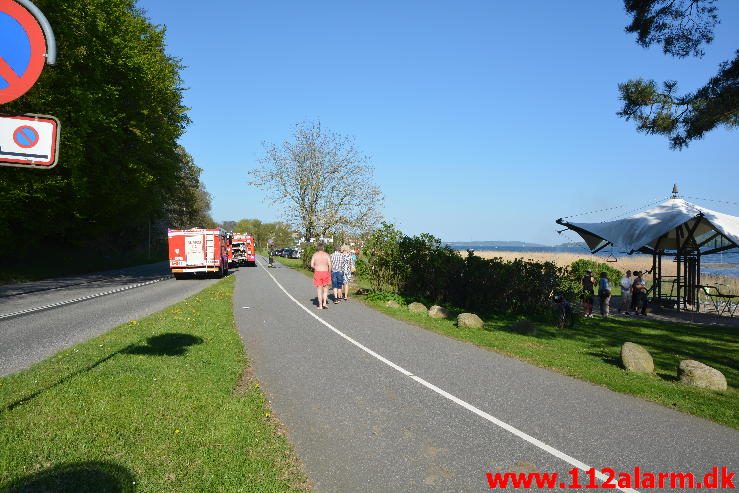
79, 477
168, 344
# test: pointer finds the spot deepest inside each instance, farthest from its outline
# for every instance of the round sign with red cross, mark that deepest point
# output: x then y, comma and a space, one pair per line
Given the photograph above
22, 50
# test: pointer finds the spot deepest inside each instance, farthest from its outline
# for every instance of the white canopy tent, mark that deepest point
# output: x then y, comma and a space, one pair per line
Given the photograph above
672, 226
676, 228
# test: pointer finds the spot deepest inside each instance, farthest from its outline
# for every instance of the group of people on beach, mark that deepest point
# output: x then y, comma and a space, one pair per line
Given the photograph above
335, 270
633, 293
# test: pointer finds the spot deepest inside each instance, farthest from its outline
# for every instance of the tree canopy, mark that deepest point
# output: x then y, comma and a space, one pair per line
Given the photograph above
118, 96
682, 28
321, 181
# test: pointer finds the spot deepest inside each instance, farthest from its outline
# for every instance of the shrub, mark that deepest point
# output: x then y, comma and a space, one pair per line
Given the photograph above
578, 268
308, 251
422, 268
382, 265
383, 296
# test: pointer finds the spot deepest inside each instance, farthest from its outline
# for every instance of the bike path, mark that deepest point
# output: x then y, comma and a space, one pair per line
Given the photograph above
359, 424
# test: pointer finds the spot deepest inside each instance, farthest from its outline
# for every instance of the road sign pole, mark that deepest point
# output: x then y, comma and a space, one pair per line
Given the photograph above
46, 27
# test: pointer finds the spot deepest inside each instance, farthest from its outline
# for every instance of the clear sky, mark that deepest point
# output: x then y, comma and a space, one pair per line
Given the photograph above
484, 120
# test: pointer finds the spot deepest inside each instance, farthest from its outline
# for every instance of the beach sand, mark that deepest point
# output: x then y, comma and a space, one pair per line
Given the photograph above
623, 263
562, 259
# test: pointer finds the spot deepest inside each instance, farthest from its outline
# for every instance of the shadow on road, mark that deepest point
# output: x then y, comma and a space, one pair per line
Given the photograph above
79, 477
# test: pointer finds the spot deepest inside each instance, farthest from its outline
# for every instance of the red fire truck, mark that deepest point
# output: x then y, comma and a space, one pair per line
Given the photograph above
243, 248
198, 251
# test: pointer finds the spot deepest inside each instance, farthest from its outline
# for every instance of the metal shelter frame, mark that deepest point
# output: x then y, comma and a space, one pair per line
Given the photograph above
687, 254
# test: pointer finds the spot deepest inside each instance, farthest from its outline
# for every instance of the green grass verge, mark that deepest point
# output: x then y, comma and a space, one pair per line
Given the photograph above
160, 404
591, 351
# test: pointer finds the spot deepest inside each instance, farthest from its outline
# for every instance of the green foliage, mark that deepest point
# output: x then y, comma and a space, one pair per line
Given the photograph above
579, 267
308, 250
382, 263
280, 233
118, 96
688, 117
421, 267
385, 296
681, 27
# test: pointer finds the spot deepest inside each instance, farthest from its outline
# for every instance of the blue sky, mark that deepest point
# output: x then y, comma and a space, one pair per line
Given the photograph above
484, 120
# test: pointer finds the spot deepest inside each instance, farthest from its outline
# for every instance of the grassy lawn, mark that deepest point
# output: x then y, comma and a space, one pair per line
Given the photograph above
591, 351
161, 404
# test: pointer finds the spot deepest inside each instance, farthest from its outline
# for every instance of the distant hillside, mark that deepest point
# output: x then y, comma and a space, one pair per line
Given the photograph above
493, 244
573, 244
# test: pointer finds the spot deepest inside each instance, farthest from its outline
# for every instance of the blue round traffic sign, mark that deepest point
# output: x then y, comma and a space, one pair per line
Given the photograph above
25, 136
22, 50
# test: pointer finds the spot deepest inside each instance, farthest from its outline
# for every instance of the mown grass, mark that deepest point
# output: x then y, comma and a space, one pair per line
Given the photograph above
591, 351
159, 404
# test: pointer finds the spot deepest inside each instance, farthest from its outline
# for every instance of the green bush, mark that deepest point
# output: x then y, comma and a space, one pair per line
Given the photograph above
308, 250
384, 296
579, 267
422, 268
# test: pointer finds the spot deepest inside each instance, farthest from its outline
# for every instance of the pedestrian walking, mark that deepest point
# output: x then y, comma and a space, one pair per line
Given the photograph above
625, 293
604, 294
349, 266
320, 262
337, 273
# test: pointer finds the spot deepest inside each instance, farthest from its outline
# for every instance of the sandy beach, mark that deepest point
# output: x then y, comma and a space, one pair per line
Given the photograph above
562, 259
623, 263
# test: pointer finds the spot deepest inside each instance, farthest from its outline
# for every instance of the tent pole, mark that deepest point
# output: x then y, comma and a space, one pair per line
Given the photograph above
661, 258
677, 257
698, 282
656, 281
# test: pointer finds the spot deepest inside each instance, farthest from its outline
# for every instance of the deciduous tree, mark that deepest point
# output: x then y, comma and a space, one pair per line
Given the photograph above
321, 182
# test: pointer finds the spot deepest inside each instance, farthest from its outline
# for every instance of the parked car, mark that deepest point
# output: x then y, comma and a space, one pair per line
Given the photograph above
296, 253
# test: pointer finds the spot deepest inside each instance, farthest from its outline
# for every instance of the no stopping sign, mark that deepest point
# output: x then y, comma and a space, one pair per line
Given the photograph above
22, 50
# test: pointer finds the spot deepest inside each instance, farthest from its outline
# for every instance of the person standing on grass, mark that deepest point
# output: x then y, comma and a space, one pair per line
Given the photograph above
604, 294
634, 293
337, 273
625, 293
320, 262
349, 268
640, 292
588, 292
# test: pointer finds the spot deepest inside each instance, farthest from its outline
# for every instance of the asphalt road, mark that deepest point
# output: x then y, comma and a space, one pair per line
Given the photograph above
415, 411
73, 309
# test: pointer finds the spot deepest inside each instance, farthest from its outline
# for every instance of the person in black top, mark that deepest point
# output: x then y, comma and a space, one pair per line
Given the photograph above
588, 292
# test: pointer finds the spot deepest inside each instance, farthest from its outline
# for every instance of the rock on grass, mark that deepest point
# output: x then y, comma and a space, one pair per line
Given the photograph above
469, 320
416, 307
635, 358
697, 374
437, 311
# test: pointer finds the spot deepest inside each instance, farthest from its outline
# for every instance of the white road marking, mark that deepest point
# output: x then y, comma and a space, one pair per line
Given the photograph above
502, 424
77, 300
